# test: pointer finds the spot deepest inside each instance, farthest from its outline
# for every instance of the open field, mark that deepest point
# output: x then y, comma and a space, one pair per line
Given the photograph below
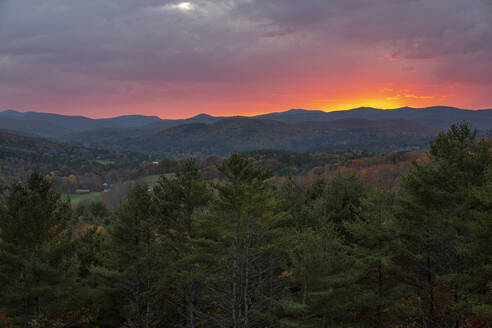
77, 198
104, 161
153, 179
150, 180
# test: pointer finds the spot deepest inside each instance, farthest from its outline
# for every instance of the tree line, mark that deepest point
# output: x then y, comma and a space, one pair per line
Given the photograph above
242, 253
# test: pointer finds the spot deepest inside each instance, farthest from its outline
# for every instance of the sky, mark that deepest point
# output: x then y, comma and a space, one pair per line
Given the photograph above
174, 59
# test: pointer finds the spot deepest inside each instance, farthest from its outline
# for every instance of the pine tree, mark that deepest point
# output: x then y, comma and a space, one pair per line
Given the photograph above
181, 202
323, 275
341, 199
99, 296
135, 262
242, 212
37, 271
322, 270
292, 201
433, 214
373, 241
476, 248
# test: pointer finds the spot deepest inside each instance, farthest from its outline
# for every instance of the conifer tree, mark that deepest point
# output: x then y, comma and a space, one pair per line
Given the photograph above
135, 262
433, 214
373, 239
97, 288
37, 271
181, 203
476, 248
292, 201
323, 269
243, 287
323, 276
341, 199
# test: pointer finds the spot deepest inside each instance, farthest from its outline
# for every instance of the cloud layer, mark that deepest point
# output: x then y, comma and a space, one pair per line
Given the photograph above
177, 59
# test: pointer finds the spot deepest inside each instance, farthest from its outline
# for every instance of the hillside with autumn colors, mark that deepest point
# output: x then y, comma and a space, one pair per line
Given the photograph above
21, 155
311, 239
74, 167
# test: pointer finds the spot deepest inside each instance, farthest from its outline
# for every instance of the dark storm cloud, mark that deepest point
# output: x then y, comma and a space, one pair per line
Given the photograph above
94, 46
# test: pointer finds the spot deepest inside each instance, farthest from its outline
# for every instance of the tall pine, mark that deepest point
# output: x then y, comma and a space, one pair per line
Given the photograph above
135, 262
37, 269
182, 201
434, 212
372, 238
243, 286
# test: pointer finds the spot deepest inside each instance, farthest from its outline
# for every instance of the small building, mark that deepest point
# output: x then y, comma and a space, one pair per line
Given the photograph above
82, 191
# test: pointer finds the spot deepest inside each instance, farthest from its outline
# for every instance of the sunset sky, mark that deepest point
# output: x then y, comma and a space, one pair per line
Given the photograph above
103, 58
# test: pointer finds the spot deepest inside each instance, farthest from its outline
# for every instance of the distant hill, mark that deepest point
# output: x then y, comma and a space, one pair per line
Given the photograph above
246, 134
364, 128
382, 127
20, 154
56, 125
166, 124
33, 127
437, 117
101, 138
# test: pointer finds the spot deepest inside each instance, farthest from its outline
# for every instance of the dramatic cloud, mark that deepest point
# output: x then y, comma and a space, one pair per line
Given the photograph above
179, 58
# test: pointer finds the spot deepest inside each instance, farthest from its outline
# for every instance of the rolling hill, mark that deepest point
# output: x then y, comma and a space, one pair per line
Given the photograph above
56, 125
245, 134
20, 154
371, 129
437, 116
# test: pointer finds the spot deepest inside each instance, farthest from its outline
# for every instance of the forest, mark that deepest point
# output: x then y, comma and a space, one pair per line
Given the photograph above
245, 250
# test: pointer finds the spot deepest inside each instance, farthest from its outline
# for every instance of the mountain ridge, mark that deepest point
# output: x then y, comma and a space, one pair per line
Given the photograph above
16, 113
363, 128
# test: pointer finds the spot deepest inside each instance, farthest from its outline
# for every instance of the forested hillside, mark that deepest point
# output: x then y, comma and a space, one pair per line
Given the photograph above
244, 134
72, 168
342, 249
358, 129
20, 155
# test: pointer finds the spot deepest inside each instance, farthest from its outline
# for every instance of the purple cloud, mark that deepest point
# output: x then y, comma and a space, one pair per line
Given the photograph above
70, 51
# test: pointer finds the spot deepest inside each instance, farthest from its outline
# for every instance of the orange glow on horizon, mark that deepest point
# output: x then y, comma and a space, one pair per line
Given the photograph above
326, 106
318, 95
374, 103
178, 59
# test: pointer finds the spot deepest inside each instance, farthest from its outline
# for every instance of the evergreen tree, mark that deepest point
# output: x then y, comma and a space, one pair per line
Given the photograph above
433, 213
37, 271
323, 269
243, 211
476, 248
373, 241
341, 199
180, 197
323, 275
135, 261
181, 202
292, 201
95, 292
